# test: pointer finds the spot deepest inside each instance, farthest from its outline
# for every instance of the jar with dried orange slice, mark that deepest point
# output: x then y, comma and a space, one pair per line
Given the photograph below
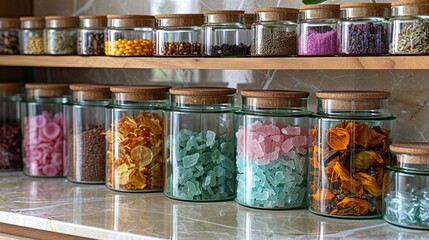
135, 138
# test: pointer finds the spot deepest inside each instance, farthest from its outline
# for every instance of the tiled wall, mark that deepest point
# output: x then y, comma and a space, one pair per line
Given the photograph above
410, 89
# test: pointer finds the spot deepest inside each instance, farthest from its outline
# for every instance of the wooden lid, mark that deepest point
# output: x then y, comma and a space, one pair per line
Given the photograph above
410, 7
223, 12
353, 94
202, 95
11, 88
365, 5
319, 6
93, 21
223, 16
274, 94
274, 98
32, 22
409, 2
47, 86
140, 93
130, 21
411, 153
47, 89
276, 14
90, 91
319, 11
249, 18
9, 23
61, 22
361, 10
173, 20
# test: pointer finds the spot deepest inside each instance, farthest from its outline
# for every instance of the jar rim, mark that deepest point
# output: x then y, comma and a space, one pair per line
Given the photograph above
417, 148
352, 95
365, 5
89, 87
31, 18
274, 93
92, 17
55, 86
202, 91
275, 9
190, 15
121, 16
319, 6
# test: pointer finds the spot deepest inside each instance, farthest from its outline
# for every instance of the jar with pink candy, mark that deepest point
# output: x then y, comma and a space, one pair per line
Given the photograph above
44, 151
272, 131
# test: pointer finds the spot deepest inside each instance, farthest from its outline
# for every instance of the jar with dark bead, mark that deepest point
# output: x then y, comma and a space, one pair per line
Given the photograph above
31, 36
9, 36
90, 35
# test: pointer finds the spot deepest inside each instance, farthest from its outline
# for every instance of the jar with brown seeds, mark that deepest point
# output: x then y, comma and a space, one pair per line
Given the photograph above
9, 43
90, 36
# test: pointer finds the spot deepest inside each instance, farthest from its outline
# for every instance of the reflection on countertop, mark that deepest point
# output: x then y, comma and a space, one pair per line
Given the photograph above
94, 211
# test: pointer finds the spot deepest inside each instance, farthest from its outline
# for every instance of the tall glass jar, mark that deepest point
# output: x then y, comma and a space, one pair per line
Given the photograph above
135, 138
9, 43
274, 33
225, 34
179, 35
44, 126
271, 132
406, 186
248, 20
90, 36
130, 35
409, 27
200, 145
85, 141
349, 146
10, 126
362, 29
317, 29
31, 36
60, 35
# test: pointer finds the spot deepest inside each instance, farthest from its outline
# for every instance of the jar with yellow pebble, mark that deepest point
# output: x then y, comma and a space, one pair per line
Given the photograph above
134, 138
129, 35
31, 36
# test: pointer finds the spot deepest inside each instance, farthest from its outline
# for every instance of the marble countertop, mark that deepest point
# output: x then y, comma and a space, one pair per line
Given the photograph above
93, 211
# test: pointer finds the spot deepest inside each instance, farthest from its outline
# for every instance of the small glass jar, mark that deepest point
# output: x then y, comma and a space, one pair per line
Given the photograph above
274, 33
409, 27
406, 186
248, 20
87, 154
130, 35
10, 126
349, 146
317, 29
44, 126
179, 35
362, 29
225, 35
271, 133
200, 145
90, 36
9, 43
135, 138
60, 35
31, 36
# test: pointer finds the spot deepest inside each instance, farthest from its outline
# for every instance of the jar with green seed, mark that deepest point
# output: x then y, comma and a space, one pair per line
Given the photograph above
60, 35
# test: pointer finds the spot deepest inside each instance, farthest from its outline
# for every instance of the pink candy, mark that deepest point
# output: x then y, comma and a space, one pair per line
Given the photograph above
265, 142
43, 145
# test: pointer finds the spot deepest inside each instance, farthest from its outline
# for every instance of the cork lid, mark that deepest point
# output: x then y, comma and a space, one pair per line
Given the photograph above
11, 88
202, 95
353, 94
275, 14
47, 89
121, 21
409, 2
32, 22
9, 23
359, 10
179, 20
274, 98
90, 91
223, 16
319, 11
138, 93
93, 21
410, 7
61, 22
352, 100
414, 153
249, 18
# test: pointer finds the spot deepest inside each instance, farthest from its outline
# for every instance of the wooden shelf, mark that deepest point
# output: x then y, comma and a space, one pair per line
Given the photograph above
282, 63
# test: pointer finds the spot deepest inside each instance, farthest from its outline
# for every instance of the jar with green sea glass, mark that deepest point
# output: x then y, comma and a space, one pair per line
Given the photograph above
349, 142
406, 186
44, 125
272, 152
11, 95
200, 145
135, 138
85, 137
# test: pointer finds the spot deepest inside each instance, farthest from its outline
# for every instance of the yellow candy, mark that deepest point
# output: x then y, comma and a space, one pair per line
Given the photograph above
125, 47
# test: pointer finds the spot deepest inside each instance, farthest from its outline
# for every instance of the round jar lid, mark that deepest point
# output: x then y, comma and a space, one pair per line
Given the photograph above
61, 22
357, 10
121, 21
142, 92
274, 98
11, 88
202, 95
410, 7
418, 152
319, 11
90, 91
93, 21
32, 22
179, 20
223, 16
353, 94
249, 18
47, 89
274, 94
276, 14
9, 23
352, 100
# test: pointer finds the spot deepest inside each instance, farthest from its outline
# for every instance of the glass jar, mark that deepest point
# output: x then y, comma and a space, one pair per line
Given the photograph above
44, 125
9, 43
409, 27
135, 143
317, 29
10, 126
60, 35
349, 146
130, 35
406, 186
225, 34
200, 145
90, 36
274, 32
271, 132
248, 20
362, 29
31, 36
179, 35
87, 154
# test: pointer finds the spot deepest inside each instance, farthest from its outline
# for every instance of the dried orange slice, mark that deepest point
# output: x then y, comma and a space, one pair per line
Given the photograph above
122, 174
143, 155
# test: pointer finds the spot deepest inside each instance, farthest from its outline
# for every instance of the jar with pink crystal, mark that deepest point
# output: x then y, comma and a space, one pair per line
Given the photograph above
271, 158
44, 151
